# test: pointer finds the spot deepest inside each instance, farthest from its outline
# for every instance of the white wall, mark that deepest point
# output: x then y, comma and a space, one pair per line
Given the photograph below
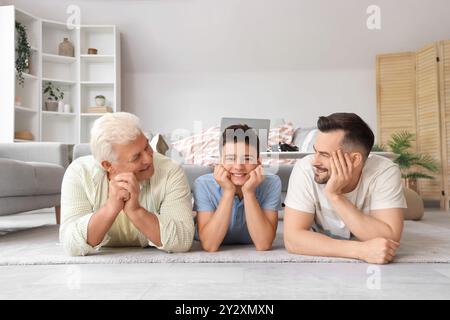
299, 95
186, 60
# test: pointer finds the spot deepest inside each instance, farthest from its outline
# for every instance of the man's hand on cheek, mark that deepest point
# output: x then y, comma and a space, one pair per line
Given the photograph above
341, 173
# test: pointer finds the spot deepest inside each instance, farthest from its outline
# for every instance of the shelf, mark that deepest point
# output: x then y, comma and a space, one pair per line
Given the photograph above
48, 57
53, 33
94, 114
81, 78
29, 76
24, 17
55, 113
63, 82
28, 95
54, 24
97, 57
89, 92
97, 72
60, 68
24, 109
95, 83
59, 127
27, 121
101, 38
23, 140
32, 25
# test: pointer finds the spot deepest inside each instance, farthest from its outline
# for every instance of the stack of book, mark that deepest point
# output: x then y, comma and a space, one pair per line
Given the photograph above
99, 109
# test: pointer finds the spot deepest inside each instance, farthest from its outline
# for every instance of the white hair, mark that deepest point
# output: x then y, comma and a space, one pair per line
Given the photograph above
113, 128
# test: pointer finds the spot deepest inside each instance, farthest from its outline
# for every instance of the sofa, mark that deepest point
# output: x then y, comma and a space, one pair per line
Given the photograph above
414, 211
31, 175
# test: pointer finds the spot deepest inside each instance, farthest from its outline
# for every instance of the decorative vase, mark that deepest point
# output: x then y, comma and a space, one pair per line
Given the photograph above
100, 102
66, 48
67, 108
60, 106
51, 105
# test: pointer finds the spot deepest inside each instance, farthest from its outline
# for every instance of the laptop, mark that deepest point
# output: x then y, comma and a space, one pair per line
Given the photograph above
262, 127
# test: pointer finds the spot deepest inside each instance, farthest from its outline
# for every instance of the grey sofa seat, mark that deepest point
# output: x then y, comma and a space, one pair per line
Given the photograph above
31, 175
29, 178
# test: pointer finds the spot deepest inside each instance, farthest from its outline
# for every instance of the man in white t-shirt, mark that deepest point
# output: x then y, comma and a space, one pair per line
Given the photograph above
341, 202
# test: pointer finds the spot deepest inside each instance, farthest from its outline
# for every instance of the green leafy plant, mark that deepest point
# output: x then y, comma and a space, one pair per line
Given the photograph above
53, 93
23, 52
99, 97
412, 165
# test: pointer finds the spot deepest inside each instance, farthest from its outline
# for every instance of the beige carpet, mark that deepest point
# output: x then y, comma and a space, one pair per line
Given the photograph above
423, 242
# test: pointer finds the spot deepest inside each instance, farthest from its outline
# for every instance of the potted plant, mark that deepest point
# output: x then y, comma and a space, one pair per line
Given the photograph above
412, 165
23, 53
100, 100
54, 94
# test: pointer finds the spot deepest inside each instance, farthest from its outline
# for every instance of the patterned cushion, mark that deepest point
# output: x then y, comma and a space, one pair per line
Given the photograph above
281, 134
200, 149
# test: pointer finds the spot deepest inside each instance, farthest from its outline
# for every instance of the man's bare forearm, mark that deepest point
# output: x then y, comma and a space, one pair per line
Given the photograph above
147, 223
260, 229
363, 226
311, 243
99, 224
214, 231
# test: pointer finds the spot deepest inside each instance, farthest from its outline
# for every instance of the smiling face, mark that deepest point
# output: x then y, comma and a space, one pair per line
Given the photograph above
239, 159
136, 157
326, 144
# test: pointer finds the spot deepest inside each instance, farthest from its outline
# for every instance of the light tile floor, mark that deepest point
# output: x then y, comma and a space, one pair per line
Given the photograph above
219, 281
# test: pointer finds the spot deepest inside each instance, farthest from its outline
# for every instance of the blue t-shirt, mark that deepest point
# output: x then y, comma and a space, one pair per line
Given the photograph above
207, 195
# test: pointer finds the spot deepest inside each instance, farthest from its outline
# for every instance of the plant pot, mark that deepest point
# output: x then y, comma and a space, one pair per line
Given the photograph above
51, 105
412, 184
414, 202
100, 102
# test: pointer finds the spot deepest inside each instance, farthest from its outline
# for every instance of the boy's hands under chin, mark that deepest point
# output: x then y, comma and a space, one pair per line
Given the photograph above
222, 176
256, 178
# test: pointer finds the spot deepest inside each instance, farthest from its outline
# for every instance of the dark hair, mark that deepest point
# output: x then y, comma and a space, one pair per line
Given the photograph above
357, 132
249, 135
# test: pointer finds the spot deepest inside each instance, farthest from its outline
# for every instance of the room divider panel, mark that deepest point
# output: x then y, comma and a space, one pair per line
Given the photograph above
413, 94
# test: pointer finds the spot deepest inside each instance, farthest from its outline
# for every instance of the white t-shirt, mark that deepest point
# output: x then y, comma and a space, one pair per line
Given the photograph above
380, 187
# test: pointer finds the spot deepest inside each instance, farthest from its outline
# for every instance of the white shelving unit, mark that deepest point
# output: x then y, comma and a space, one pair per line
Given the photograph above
81, 77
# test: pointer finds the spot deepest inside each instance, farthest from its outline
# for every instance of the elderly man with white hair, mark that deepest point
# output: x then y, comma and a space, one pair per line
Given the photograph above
124, 194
